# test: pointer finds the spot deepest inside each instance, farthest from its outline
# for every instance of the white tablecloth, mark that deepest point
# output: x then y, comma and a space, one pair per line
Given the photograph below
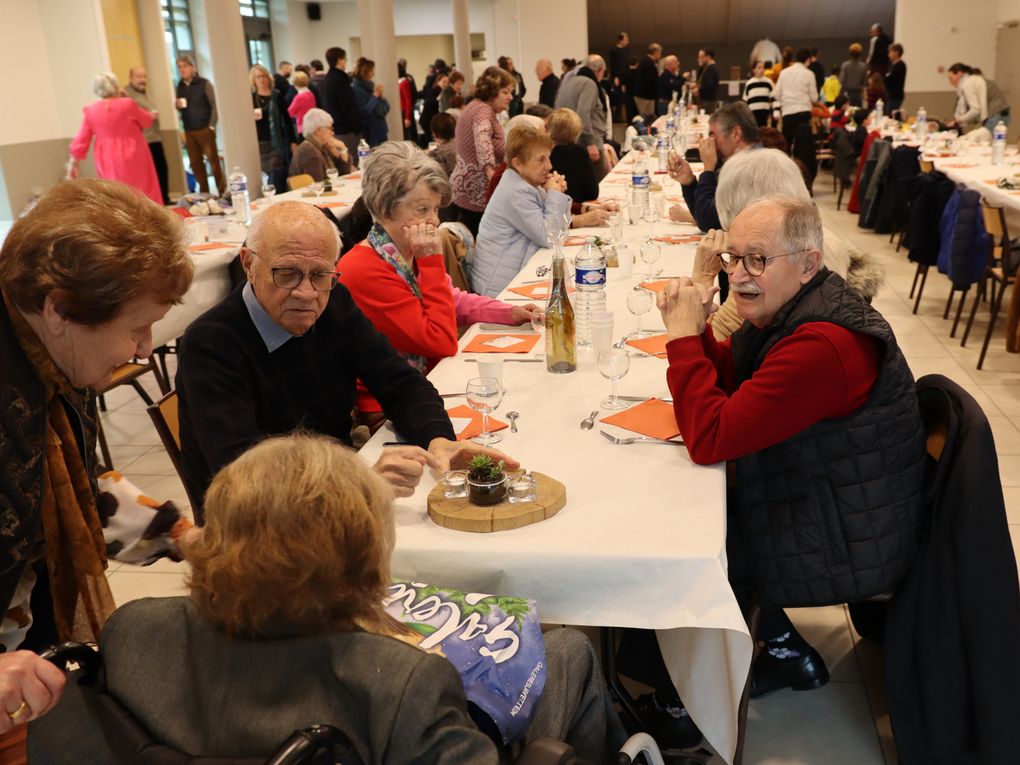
641, 540
973, 167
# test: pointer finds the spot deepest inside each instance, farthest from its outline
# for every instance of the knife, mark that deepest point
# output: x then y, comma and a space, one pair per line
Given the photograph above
667, 399
513, 329
519, 361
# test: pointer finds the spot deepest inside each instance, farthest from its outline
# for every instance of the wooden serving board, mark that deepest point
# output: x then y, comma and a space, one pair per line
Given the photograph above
461, 515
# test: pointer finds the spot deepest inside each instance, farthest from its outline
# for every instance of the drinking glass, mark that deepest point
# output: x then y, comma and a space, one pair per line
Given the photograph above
318, 188
556, 227
651, 213
268, 191
613, 365
651, 251
484, 395
615, 221
332, 173
639, 302
455, 484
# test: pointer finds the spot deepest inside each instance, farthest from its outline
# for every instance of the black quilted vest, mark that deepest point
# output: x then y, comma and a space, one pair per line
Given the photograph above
832, 514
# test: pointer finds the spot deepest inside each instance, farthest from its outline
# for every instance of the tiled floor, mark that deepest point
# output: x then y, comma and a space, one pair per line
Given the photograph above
846, 722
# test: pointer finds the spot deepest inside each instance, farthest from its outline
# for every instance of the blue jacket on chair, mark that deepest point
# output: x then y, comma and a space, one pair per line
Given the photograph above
963, 252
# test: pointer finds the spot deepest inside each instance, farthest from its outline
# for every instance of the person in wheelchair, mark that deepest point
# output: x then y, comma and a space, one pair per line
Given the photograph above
285, 628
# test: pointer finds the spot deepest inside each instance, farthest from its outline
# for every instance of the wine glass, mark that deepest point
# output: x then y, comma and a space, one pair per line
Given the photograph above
651, 213
639, 302
484, 395
318, 188
332, 173
615, 221
651, 251
556, 227
613, 365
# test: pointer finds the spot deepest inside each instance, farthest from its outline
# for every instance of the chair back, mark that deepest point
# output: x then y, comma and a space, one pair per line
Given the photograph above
166, 419
299, 181
926, 165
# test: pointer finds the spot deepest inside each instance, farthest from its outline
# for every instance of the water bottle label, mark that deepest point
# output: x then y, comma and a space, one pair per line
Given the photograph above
590, 277
641, 180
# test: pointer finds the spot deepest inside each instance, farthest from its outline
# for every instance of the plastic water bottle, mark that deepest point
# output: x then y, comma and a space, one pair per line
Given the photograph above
999, 143
363, 151
662, 148
590, 282
921, 126
879, 113
640, 181
240, 199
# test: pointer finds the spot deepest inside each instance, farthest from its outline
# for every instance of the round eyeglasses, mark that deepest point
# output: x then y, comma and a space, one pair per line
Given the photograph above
754, 263
290, 278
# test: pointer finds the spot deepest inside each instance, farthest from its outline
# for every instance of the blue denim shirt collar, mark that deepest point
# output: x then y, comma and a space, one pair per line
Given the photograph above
272, 334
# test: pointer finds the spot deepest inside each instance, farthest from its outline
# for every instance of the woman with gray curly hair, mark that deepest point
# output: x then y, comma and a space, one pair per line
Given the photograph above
321, 149
397, 276
116, 122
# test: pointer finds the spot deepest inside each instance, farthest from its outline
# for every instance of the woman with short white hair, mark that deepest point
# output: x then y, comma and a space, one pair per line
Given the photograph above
320, 150
121, 154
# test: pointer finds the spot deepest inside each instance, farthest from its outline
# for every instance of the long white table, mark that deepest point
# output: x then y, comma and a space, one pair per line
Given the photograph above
641, 540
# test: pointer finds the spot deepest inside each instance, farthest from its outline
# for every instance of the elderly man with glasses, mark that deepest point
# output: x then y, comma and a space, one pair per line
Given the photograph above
812, 404
285, 351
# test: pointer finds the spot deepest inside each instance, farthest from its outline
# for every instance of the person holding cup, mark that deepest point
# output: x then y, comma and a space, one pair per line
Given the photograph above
196, 101
397, 277
273, 125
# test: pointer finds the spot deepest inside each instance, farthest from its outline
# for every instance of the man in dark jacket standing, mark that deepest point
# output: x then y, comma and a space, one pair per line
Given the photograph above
647, 88
878, 52
895, 79
619, 57
708, 80
196, 101
338, 99
550, 83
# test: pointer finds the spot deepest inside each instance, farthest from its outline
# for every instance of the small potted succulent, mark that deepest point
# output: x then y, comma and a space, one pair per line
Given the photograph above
486, 481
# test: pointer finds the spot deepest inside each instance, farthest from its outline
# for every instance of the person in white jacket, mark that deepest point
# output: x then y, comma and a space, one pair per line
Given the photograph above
971, 97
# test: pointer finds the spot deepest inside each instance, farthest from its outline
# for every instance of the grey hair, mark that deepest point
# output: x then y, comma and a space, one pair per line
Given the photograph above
753, 173
596, 63
801, 229
313, 120
186, 58
268, 218
737, 114
105, 85
393, 171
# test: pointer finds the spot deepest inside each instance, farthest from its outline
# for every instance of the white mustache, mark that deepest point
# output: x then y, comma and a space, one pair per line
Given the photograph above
746, 289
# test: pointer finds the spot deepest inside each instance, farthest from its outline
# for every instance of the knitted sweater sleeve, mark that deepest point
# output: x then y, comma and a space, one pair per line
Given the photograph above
719, 423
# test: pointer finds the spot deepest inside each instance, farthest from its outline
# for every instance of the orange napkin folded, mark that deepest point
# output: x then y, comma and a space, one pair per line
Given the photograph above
206, 246
653, 418
539, 291
484, 344
992, 181
675, 239
350, 177
334, 204
654, 345
572, 241
475, 427
657, 286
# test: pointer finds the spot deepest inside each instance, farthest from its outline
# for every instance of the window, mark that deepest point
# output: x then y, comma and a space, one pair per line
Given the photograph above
177, 28
258, 9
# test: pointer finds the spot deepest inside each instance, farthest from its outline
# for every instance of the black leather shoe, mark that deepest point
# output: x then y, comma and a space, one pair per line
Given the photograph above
804, 673
668, 731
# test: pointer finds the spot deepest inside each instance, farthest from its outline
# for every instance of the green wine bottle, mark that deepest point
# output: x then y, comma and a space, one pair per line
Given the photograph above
560, 341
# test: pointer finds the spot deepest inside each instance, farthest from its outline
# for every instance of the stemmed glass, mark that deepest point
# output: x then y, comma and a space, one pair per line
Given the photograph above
268, 191
651, 213
651, 251
615, 221
484, 395
556, 227
614, 363
318, 188
639, 302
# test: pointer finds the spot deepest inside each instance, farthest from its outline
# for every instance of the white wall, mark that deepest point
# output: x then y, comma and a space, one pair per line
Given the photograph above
1009, 10
938, 32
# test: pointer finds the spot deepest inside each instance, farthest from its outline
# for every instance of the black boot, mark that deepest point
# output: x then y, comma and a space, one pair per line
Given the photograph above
669, 723
787, 661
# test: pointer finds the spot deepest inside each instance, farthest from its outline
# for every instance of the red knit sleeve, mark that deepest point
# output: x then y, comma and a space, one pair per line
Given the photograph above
820, 371
426, 327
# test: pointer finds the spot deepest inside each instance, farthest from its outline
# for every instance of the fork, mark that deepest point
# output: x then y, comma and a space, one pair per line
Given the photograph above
638, 439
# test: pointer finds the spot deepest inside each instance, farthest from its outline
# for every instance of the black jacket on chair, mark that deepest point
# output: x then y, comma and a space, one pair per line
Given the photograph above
895, 209
953, 631
930, 192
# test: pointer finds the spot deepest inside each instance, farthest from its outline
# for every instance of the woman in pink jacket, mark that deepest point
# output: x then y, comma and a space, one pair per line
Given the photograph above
121, 152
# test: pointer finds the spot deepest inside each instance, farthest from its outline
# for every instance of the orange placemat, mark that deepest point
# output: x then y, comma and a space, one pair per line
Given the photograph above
657, 286
334, 204
484, 344
351, 177
573, 241
653, 418
676, 239
992, 181
653, 346
960, 165
538, 291
205, 247
475, 426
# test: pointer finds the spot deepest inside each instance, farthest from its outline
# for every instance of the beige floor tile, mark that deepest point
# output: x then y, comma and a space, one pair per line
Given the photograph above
1006, 434
1011, 494
829, 726
135, 428
826, 629
922, 346
1009, 469
883, 726
130, 585
1006, 397
154, 462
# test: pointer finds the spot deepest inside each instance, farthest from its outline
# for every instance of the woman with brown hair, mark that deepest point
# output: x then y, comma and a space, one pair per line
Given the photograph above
480, 144
286, 618
373, 106
83, 277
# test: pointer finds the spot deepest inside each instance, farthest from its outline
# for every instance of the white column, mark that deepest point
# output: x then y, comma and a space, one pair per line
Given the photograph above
379, 43
462, 39
219, 38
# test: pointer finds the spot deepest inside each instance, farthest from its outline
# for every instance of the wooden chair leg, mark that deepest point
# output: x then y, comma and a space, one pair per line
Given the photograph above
104, 448
996, 304
920, 290
959, 312
1013, 319
973, 313
949, 302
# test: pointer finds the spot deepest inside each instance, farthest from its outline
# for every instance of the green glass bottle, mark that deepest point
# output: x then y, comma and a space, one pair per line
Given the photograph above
560, 340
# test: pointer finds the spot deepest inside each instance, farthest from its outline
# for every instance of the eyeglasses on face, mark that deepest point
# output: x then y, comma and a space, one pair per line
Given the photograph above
754, 263
290, 278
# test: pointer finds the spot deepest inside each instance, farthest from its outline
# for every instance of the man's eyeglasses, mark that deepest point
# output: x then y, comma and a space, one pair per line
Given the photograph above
291, 278
754, 263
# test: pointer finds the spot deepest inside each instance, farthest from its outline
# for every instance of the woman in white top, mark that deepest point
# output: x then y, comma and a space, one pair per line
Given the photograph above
758, 95
971, 97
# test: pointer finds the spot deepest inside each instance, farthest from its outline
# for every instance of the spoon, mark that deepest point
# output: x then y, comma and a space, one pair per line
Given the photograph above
512, 416
589, 422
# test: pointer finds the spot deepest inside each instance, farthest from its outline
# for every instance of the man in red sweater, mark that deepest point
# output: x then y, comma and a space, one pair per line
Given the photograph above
813, 405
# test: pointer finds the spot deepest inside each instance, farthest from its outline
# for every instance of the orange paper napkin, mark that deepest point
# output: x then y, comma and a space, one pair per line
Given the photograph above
654, 345
205, 247
334, 204
657, 286
488, 343
539, 291
675, 239
475, 427
653, 418
960, 165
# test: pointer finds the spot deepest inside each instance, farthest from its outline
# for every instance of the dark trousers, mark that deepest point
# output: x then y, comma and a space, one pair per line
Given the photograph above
790, 124
201, 145
761, 116
159, 161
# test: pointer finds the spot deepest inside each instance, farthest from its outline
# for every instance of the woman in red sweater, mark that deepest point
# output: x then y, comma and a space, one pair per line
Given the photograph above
397, 276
